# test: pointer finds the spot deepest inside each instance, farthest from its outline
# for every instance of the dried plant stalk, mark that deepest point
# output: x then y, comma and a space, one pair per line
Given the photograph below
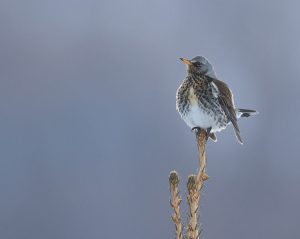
193, 201
201, 137
175, 203
195, 184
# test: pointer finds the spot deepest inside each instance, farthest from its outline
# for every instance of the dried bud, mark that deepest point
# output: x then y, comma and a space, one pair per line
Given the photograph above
174, 179
191, 184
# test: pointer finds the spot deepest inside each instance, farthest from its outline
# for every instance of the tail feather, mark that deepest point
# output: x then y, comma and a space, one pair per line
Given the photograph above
245, 112
242, 113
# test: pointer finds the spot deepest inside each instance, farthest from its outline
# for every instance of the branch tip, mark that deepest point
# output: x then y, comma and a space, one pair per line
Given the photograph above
174, 178
191, 183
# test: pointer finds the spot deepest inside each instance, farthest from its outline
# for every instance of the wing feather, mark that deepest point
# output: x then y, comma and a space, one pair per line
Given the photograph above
226, 101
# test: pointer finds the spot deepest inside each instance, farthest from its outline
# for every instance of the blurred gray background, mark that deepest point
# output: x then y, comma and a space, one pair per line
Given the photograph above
89, 130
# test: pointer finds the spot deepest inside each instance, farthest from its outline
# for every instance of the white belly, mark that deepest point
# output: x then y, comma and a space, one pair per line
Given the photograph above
196, 117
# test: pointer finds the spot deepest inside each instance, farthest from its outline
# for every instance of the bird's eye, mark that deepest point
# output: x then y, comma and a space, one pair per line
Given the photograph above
197, 64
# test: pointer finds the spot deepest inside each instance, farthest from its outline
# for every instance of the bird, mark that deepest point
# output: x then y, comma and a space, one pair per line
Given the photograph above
203, 101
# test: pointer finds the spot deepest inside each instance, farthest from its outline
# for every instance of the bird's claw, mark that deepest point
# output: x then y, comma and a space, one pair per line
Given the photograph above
195, 128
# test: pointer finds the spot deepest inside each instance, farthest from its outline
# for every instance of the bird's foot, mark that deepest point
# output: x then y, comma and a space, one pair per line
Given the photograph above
197, 129
208, 132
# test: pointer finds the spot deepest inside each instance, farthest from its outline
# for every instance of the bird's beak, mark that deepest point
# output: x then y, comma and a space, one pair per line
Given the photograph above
186, 61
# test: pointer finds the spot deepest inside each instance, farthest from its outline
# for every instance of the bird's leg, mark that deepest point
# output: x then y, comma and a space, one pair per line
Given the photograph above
196, 129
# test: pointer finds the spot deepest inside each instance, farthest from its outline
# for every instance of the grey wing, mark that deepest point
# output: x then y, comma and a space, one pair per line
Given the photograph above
226, 101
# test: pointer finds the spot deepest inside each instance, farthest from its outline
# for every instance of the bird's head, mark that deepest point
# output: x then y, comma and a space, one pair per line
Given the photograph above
199, 65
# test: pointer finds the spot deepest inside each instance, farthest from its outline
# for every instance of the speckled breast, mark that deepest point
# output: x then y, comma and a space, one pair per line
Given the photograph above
198, 105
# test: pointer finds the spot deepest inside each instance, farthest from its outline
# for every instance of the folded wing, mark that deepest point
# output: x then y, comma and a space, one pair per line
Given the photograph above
226, 101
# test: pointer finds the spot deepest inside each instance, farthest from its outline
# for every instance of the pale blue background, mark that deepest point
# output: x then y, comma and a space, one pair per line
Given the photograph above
89, 131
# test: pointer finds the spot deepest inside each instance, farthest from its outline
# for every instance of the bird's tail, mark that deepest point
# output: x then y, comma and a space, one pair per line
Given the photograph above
245, 112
